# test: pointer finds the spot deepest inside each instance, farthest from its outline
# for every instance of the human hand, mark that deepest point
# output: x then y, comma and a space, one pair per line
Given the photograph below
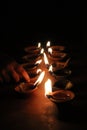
13, 71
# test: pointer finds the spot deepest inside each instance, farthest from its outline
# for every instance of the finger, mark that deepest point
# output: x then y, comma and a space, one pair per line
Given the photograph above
15, 75
5, 75
23, 73
12, 72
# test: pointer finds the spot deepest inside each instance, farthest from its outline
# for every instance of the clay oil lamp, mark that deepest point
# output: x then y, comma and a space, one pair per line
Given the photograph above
56, 55
57, 95
59, 73
29, 87
33, 49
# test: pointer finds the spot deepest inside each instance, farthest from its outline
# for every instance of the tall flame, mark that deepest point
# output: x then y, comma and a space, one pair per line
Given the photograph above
40, 78
48, 44
46, 59
48, 87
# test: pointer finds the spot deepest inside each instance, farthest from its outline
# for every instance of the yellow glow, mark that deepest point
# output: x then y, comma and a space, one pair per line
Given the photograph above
50, 50
38, 70
38, 62
42, 51
39, 45
46, 59
48, 87
48, 44
40, 78
51, 68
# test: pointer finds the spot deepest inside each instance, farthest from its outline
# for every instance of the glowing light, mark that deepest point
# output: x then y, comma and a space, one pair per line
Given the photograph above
42, 51
51, 68
38, 71
40, 78
48, 44
50, 50
46, 59
39, 45
48, 87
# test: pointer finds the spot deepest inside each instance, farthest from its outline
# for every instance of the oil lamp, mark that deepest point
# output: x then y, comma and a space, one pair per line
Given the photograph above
58, 48
57, 95
33, 49
29, 87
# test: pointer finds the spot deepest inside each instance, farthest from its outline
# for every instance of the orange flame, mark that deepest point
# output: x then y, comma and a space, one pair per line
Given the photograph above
40, 78
48, 87
46, 59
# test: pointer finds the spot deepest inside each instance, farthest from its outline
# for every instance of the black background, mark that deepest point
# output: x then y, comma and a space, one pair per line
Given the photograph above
34, 21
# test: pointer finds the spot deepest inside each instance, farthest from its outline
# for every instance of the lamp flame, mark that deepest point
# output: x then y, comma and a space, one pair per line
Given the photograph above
38, 62
40, 78
50, 50
39, 45
46, 59
48, 87
38, 71
51, 68
48, 44
42, 51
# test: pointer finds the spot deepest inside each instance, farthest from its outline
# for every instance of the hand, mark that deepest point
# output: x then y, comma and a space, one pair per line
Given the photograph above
12, 70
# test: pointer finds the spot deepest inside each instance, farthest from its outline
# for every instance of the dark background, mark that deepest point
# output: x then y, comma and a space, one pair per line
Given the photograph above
34, 21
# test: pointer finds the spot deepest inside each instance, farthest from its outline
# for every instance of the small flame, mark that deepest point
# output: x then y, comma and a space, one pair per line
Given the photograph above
42, 51
48, 87
40, 78
48, 44
51, 68
39, 45
38, 71
50, 50
38, 62
46, 59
